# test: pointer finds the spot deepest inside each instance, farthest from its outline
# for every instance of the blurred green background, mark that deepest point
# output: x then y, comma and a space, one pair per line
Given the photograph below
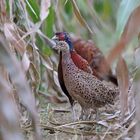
100, 20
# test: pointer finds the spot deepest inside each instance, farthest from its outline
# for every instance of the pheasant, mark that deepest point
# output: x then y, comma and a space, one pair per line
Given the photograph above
87, 57
84, 87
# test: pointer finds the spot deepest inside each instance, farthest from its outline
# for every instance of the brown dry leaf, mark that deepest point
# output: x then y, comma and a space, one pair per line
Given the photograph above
52, 75
14, 38
131, 29
52, 86
25, 62
52, 98
3, 13
123, 83
9, 113
48, 41
33, 55
34, 75
47, 62
18, 79
45, 5
80, 18
137, 93
55, 77
55, 99
137, 56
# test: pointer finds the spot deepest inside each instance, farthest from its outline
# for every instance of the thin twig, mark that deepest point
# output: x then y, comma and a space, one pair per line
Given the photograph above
73, 131
61, 110
47, 40
105, 133
128, 129
79, 122
130, 117
73, 123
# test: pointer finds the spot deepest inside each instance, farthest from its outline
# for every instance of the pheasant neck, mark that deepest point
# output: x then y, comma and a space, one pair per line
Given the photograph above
66, 54
69, 43
66, 57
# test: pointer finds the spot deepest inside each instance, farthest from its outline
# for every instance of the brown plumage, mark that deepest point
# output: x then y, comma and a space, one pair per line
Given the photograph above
84, 87
95, 58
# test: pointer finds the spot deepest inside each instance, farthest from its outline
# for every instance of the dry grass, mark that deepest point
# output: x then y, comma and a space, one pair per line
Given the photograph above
32, 105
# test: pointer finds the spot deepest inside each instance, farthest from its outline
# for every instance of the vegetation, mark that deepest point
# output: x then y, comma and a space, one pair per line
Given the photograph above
32, 105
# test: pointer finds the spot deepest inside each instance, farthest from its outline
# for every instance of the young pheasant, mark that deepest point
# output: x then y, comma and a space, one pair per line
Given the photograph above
82, 86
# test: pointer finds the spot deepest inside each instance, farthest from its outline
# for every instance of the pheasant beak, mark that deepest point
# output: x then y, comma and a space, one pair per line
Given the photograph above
55, 38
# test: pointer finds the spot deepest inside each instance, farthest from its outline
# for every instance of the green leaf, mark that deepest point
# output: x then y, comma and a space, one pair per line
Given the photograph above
48, 23
68, 9
98, 6
33, 10
124, 11
39, 42
48, 30
42, 46
80, 18
7, 6
107, 9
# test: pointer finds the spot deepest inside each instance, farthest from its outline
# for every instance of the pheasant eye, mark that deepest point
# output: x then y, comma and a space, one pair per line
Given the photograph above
61, 37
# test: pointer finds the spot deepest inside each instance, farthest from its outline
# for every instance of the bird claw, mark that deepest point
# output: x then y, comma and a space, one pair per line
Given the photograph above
74, 116
85, 117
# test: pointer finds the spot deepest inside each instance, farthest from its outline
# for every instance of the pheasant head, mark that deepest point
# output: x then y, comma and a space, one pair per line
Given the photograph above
63, 36
80, 62
62, 46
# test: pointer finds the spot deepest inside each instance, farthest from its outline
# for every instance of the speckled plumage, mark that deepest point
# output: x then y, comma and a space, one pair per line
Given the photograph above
82, 86
79, 61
